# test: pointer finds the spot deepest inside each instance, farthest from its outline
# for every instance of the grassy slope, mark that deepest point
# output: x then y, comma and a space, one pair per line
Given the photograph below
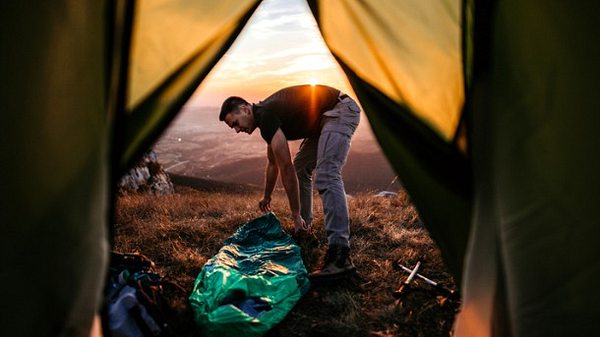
181, 232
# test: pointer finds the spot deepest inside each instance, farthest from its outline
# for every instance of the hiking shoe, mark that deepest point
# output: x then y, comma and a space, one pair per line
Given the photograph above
337, 264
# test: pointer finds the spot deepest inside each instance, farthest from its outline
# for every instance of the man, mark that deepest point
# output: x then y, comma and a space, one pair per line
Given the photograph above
326, 119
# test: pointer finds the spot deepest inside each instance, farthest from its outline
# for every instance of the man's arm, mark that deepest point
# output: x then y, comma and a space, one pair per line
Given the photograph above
271, 173
283, 160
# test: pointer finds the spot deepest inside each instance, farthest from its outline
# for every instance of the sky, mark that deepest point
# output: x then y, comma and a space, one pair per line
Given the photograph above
280, 46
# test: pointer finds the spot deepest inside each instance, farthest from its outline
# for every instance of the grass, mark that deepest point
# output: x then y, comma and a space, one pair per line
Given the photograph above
180, 232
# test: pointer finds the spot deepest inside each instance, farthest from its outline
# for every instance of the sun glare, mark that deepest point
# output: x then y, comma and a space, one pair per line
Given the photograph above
313, 81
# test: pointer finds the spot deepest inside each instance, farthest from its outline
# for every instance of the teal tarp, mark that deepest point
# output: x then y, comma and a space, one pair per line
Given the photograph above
251, 283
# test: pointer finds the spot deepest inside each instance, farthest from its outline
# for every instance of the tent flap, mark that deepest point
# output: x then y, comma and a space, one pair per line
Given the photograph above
434, 173
54, 144
534, 119
403, 61
174, 47
408, 50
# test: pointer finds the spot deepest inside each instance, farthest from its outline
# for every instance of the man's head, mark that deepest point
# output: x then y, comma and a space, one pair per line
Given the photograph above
237, 114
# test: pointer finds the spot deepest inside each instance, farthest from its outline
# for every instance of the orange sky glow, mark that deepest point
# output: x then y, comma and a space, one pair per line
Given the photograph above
281, 46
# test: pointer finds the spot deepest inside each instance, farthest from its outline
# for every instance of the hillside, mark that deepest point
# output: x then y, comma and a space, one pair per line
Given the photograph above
196, 144
180, 232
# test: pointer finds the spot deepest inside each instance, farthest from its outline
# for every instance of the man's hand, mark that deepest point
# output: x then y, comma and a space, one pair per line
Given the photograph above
265, 204
300, 226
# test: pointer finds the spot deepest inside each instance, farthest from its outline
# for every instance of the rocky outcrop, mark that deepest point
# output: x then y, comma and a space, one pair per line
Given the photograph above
147, 176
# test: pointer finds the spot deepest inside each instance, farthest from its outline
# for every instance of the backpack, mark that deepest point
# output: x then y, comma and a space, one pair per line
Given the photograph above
136, 306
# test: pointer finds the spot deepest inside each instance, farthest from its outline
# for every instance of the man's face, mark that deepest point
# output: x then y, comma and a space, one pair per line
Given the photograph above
241, 120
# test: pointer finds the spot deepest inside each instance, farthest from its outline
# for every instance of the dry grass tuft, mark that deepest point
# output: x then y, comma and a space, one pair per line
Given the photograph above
180, 232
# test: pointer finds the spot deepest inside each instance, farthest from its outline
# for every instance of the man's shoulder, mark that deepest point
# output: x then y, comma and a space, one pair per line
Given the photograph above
265, 113
268, 122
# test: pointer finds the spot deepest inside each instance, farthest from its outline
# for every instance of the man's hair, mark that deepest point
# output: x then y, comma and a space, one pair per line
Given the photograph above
231, 104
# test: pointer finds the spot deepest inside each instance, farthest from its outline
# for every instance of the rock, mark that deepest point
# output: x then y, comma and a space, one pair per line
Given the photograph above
148, 176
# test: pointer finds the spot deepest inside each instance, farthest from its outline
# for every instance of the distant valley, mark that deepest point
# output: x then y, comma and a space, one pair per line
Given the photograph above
198, 145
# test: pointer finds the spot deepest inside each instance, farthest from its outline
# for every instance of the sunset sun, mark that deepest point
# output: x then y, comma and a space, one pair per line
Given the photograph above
313, 81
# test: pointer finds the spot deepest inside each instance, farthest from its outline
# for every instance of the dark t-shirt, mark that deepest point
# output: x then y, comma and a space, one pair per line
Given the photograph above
296, 110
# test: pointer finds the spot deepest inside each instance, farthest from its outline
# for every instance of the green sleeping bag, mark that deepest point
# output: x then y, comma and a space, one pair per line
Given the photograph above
251, 284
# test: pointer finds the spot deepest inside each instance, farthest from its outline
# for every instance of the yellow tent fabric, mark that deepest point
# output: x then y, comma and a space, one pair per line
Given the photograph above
167, 33
408, 50
403, 59
174, 44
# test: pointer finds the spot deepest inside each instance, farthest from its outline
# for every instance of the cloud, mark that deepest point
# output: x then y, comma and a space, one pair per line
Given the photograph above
280, 46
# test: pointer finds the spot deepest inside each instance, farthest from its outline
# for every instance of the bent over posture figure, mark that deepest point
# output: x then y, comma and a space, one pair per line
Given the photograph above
326, 119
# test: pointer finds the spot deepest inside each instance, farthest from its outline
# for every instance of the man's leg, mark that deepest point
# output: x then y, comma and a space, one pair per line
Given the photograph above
339, 125
305, 162
332, 153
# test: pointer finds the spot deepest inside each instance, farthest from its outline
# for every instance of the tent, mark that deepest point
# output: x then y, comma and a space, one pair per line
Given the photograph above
485, 109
